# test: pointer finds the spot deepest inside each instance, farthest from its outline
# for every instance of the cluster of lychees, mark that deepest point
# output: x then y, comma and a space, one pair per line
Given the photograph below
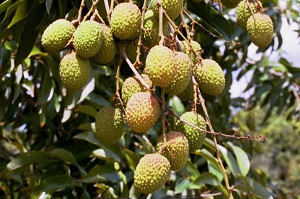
176, 69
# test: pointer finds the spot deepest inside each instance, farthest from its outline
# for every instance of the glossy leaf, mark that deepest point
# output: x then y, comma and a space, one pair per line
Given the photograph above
65, 156
242, 158
102, 173
132, 159
89, 110
230, 160
56, 183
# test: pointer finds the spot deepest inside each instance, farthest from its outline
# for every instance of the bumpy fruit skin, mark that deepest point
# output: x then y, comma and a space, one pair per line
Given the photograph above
57, 35
171, 7
196, 47
260, 29
243, 13
183, 74
133, 85
230, 3
210, 77
160, 66
88, 38
74, 71
175, 149
188, 93
125, 21
108, 49
142, 111
110, 125
130, 49
151, 26
151, 173
194, 136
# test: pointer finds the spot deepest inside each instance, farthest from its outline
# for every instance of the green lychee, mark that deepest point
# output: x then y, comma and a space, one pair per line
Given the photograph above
160, 66
188, 93
151, 173
74, 71
175, 147
194, 136
171, 7
126, 21
142, 111
183, 74
88, 38
57, 35
243, 13
195, 46
210, 77
260, 29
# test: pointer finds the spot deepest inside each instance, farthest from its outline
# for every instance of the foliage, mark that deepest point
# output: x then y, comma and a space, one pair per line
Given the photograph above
47, 143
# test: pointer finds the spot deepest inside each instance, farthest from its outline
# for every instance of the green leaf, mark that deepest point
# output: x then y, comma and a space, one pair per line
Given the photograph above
89, 110
230, 160
98, 100
177, 105
46, 90
48, 5
4, 5
132, 159
191, 170
212, 17
106, 155
56, 183
209, 157
181, 185
242, 158
21, 13
65, 156
102, 173
206, 178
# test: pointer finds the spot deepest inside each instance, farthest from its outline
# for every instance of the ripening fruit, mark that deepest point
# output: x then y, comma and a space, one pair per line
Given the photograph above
142, 111
196, 47
230, 3
74, 71
194, 136
260, 29
110, 125
88, 38
243, 13
108, 49
57, 35
188, 93
175, 149
171, 7
133, 85
160, 66
183, 74
126, 21
151, 32
151, 173
210, 77
130, 49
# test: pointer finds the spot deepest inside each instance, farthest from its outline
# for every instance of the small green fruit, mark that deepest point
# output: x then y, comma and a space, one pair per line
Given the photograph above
88, 39
175, 149
187, 49
188, 93
171, 7
243, 13
74, 71
57, 35
151, 173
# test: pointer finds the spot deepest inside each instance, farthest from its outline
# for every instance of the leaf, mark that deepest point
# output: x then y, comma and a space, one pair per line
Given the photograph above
102, 173
191, 170
209, 157
65, 156
230, 160
98, 100
48, 5
106, 155
132, 159
46, 90
212, 17
21, 13
181, 185
56, 183
89, 110
4, 5
242, 158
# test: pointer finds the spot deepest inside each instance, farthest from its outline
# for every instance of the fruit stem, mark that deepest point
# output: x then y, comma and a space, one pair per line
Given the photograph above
80, 10
118, 83
160, 21
93, 8
107, 10
163, 106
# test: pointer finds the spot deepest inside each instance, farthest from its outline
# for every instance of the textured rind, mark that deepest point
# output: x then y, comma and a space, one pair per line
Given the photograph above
210, 77
142, 111
183, 74
151, 173
160, 66
130, 49
57, 35
108, 49
188, 93
74, 71
125, 21
186, 49
243, 13
88, 38
110, 125
260, 29
151, 26
171, 7
230, 3
194, 136
132, 85
175, 149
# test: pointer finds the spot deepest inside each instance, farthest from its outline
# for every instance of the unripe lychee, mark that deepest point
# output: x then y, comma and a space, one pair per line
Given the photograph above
108, 49
210, 77
74, 71
194, 136
151, 173
57, 35
110, 125
188, 93
133, 85
142, 111
183, 74
88, 38
126, 21
160, 66
243, 13
189, 51
260, 29
171, 7
175, 147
